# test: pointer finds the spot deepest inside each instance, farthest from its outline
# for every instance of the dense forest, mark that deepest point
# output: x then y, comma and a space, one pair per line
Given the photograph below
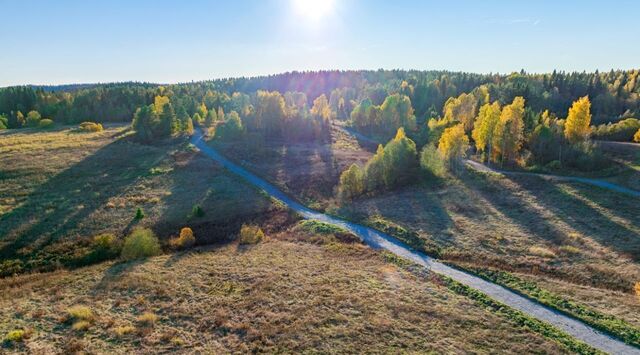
614, 95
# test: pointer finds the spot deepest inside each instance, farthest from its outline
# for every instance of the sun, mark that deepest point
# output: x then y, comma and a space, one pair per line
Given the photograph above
313, 10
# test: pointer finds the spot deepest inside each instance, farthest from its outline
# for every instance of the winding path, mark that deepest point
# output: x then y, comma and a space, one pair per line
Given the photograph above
379, 240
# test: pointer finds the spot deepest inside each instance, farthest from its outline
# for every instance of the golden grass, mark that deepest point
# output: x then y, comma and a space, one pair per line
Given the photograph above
277, 296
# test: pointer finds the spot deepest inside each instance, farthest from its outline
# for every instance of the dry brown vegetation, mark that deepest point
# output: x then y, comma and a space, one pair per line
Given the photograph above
281, 295
60, 188
570, 232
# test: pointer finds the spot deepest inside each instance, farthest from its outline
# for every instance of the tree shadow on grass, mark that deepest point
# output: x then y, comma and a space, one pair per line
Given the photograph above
587, 220
61, 206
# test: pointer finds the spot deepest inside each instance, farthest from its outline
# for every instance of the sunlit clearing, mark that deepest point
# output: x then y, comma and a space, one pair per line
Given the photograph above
313, 10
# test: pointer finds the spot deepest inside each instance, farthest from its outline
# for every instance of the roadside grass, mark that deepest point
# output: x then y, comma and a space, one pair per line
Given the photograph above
608, 323
59, 189
281, 295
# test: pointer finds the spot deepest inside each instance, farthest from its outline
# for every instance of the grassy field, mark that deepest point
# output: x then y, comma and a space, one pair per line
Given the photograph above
295, 292
60, 188
563, 234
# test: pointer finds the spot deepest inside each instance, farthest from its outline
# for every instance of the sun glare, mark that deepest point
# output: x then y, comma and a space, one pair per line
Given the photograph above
313, 10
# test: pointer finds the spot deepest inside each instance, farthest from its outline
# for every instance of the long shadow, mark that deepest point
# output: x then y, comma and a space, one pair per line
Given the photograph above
587, 220
58, 207
514, 208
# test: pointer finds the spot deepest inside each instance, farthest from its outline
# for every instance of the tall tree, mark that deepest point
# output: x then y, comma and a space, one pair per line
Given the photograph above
578, 125
509, 131
454, 144
485, 125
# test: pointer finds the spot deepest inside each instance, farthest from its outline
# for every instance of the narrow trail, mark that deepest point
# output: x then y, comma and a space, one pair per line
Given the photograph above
379, 240
549, 177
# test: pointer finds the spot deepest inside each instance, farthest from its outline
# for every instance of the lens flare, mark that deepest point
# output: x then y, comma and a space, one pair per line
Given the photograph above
313, 10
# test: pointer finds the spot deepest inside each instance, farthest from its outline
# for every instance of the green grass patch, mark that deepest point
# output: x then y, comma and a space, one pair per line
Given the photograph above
609, 324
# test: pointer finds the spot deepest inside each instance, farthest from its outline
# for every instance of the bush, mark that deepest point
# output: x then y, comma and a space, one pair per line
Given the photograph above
636, 137
250, 234
45, 123
33, 118
431, 161
90, 127
636, 288
124, 330
141, 243
185, 240
15, 336
79, 313
139, 213
622, 131
148, 319
197, 211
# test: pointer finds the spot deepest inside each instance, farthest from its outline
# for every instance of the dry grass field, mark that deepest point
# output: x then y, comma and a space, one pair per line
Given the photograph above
59, 188
561, 234
282, 295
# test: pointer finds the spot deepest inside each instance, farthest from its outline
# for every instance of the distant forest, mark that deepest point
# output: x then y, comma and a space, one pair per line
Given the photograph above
614, 95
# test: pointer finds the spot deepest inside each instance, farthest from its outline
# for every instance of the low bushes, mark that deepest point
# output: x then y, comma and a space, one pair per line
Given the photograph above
81, 316
45, 123
90, 127
186, 239
250, 235
141, 243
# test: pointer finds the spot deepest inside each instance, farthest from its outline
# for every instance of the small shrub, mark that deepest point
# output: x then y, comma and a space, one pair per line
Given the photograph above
90, 127
148, 319
542, 252
45, 123
79, 312
139, 214
15, 336
185, 240
197, 211
553, 165
569, 249
141, 243
124, 330
318, 227
81, 326
250, 235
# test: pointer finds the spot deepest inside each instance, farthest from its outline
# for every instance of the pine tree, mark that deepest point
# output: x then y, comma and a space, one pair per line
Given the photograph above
167, 126
212, 117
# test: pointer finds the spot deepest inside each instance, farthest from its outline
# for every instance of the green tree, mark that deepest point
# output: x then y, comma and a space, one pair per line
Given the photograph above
351, 183
211, 118
431, 161
188, 127
33, 118
144, 123
396, 112
374, 171
400, 160
167, 121
232, 128
202, 112
577, 127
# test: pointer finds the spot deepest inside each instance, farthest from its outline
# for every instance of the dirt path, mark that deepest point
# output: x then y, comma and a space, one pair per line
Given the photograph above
378, 240
595, 182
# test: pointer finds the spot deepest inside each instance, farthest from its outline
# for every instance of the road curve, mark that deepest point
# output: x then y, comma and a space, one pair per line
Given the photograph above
379, 240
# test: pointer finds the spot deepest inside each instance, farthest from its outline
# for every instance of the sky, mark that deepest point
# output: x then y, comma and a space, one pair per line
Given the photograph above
87, 41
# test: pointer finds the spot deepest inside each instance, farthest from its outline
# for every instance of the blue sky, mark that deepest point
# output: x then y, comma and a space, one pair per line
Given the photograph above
80, 41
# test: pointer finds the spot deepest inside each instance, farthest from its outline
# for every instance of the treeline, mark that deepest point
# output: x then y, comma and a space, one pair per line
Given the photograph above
503, 134
262, 115
614, 95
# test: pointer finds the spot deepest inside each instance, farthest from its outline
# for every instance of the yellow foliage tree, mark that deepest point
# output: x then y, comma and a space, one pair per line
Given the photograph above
351, 182
454, 143
485, 125
578, 125
159, 102
462, 109
636, 137
509, 131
